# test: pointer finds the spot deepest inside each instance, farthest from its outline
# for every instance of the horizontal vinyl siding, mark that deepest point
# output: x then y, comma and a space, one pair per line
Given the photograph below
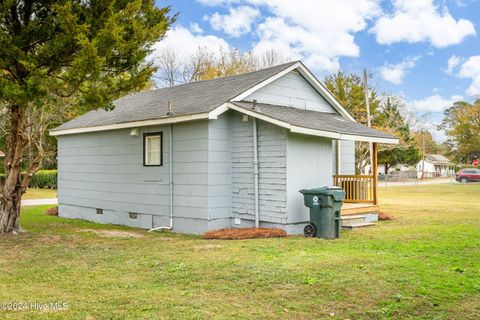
105, 170
347, 157
292, 90
219, 172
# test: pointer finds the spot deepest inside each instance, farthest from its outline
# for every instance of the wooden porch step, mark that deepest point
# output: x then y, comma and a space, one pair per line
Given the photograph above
358, 225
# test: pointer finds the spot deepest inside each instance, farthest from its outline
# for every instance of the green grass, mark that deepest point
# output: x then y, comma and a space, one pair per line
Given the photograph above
425, 264
36, 193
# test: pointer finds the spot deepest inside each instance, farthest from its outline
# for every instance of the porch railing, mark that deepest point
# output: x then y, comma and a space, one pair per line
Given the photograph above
358, 188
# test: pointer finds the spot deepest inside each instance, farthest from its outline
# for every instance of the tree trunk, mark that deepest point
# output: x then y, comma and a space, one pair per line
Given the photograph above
386, 168
12, 188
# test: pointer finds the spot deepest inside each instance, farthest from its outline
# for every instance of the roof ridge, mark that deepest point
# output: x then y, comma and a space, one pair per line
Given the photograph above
280, 66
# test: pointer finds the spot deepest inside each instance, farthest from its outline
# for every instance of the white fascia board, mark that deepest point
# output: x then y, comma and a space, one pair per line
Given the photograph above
314, 132
213, 115
324, 91
369, 139
262, 84
134, 124
310, 132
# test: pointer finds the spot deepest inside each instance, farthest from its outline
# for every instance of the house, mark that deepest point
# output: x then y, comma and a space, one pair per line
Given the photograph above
228, 152
2, 155
435, 166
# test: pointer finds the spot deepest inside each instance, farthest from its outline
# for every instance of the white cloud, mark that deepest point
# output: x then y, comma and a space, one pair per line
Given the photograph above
237, 22
185, 43
452, 64
318, 32
421, 20
195, 28
395, 73
434, 103
471, 69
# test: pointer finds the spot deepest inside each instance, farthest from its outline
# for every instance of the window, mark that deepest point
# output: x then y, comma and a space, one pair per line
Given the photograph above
99, 211
152, 149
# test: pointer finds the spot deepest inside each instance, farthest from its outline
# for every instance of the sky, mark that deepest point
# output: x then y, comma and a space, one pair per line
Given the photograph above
425, 51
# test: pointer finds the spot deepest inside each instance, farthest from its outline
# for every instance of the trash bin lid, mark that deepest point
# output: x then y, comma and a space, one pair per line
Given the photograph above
336, 192
314, 190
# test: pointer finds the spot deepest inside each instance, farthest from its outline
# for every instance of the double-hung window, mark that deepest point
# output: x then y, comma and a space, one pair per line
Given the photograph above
152, 149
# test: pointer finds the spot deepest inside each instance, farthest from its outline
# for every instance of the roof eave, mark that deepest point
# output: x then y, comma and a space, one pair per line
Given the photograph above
312, 132
133, 124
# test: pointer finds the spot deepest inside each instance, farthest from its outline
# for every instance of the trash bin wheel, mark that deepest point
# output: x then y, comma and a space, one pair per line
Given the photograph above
310, 230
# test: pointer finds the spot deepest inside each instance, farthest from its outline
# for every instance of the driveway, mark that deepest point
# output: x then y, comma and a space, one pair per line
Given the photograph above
38, 202
415, 183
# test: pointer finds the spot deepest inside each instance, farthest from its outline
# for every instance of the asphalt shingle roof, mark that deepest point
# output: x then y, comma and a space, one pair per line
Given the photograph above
438, 159
330, 122
191, 98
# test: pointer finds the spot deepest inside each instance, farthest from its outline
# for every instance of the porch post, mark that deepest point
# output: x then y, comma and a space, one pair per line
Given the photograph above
375, 172
338, 157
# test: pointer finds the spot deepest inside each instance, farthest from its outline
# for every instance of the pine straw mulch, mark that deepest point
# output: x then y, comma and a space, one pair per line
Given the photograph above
382, 216
244, 233
52, 211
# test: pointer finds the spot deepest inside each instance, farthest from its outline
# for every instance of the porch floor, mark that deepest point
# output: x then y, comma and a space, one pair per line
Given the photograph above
359, 208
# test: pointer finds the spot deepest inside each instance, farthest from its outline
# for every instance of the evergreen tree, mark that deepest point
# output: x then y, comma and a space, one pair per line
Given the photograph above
88, 52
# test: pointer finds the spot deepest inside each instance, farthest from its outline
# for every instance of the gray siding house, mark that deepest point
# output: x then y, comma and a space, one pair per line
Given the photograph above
228, 152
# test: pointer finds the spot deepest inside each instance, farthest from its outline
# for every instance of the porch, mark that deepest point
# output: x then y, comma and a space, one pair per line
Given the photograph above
361, 195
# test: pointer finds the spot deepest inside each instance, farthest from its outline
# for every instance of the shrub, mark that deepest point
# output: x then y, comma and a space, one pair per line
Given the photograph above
46, 179
244, 233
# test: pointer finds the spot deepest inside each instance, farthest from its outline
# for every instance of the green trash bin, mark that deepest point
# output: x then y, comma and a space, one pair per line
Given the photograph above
325, 208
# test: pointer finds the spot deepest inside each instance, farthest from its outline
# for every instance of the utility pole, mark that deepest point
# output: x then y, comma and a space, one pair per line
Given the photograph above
369, 120
423, 153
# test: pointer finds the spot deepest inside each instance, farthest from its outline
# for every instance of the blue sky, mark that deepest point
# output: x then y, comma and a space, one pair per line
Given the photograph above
426, 51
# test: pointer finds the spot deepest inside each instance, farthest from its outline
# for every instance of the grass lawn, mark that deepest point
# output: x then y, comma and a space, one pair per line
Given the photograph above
425, 264
36, 193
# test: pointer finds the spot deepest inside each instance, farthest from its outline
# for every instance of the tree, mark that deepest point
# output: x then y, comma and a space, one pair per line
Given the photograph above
391, 120
349, 91
462, 126
88, 52
206, 64
425, 138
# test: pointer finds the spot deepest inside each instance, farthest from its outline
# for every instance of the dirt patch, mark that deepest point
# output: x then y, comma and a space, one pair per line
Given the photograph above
244, 233
114, 233
52, 211
51, 239
207, 247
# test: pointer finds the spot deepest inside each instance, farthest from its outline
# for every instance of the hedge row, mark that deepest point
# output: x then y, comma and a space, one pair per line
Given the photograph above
45, 179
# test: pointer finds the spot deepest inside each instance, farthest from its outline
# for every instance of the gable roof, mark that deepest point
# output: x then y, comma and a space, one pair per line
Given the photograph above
187, 99
322, 124
209, 98
437, 159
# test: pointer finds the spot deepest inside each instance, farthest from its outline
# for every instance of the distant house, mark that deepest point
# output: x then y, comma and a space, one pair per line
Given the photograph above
228, 152
2, 155
435, 166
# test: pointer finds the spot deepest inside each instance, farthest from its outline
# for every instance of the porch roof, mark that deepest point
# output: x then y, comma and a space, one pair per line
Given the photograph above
323, 124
